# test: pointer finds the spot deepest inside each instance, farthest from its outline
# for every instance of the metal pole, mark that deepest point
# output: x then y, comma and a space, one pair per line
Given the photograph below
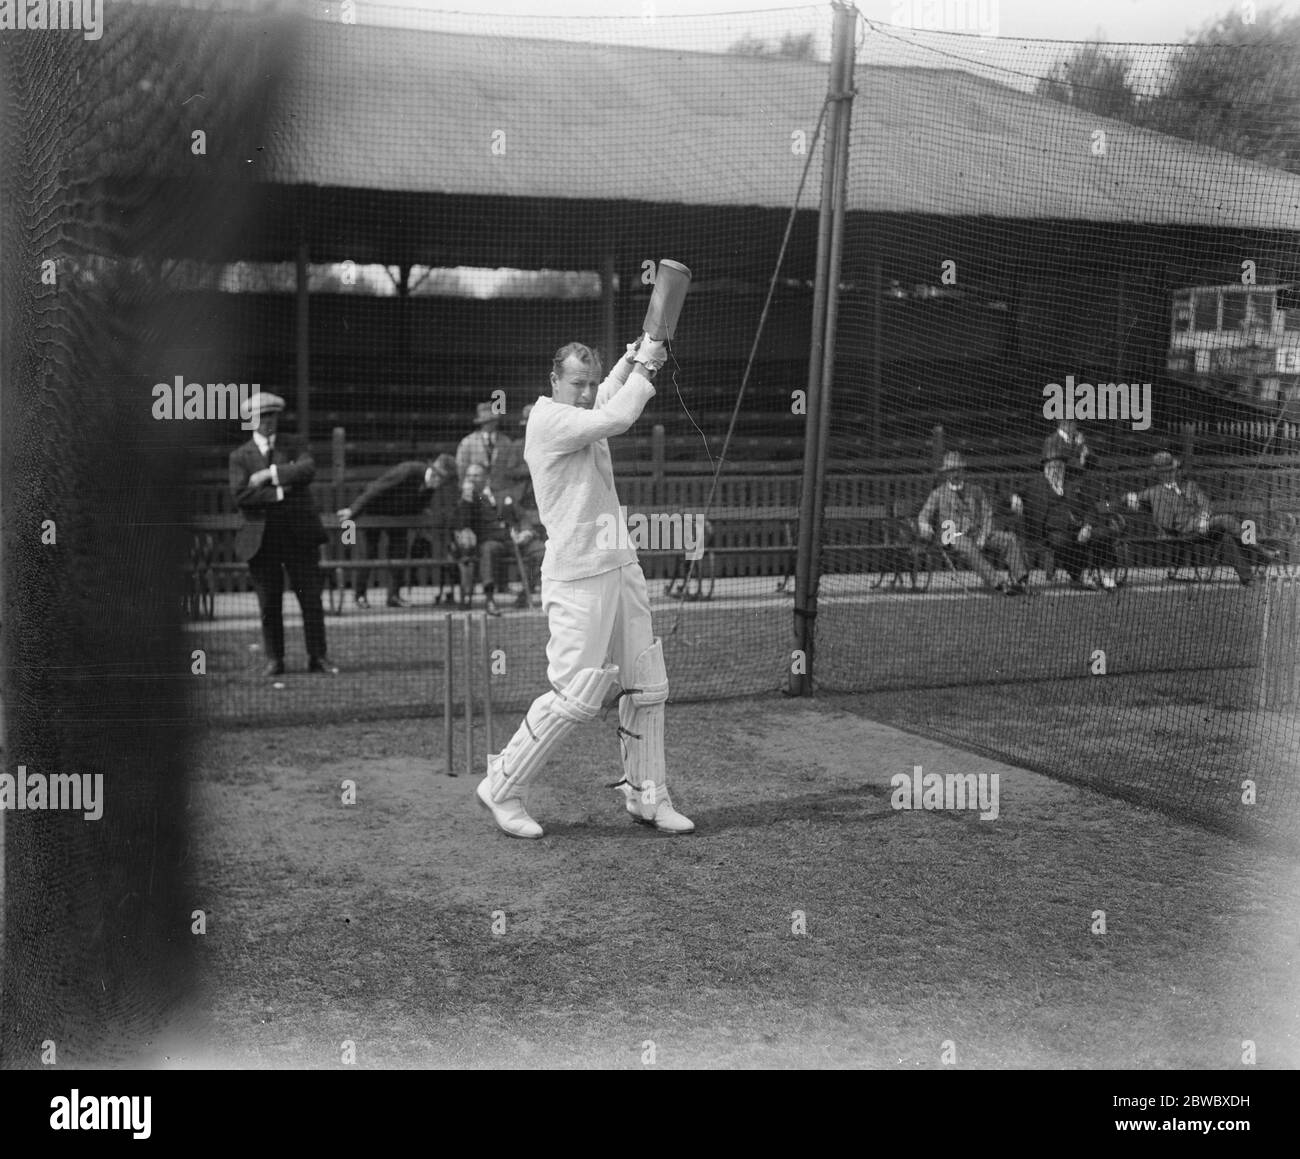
448, 669
469, 693
877, 328
487, 681
607, 302
846, 16
805, 600
303, 345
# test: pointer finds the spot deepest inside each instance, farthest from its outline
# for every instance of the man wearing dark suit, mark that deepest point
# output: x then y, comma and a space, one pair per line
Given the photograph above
1056, 514
401, 492
484, 535
270, 480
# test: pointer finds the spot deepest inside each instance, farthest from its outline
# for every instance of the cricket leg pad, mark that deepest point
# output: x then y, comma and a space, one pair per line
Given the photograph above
547, 721
641, 732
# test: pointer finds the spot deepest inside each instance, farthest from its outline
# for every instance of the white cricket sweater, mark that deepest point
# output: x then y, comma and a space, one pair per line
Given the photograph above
567, 454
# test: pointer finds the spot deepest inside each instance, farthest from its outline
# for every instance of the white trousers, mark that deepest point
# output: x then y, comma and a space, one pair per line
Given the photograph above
596, 621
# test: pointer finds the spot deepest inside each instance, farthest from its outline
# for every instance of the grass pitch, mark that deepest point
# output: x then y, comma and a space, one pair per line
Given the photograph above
407, 925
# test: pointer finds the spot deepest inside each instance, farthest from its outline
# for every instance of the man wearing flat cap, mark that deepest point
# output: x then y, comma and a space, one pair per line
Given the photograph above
270, 481
1181, 510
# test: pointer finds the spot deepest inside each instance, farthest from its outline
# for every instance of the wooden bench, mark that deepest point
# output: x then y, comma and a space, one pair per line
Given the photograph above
212, 558
1143, 545
769, 535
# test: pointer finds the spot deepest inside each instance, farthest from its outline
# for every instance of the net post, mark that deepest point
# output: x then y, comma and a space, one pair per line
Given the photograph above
608, 300
805, 592
302, 369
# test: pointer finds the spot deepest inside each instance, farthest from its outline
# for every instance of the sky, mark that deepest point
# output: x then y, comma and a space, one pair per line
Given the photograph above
1145, 21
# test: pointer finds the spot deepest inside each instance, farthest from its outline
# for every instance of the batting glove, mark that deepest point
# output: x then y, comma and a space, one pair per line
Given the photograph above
651, 354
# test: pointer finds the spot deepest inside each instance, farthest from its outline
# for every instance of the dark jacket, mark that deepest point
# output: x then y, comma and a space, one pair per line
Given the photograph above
399, 492
482, 517
290, 522
1049, 515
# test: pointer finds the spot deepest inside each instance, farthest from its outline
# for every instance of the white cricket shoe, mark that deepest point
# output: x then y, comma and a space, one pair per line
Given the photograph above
655, 808
509, 813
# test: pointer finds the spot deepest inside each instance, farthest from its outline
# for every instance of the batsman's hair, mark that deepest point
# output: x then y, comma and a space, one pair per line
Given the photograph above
581, 352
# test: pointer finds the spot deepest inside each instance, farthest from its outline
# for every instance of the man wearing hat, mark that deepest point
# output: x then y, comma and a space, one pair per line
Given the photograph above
487, 447
270, 481
401, 492
1056, 515
964, 519
1181, 510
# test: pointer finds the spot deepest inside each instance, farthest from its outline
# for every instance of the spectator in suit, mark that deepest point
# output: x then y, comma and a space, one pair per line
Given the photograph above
964, 516
270, 480
510, 478
401, 492
482, 535
524, 524
488, 448
1181, 510
1056, 512
1067, 443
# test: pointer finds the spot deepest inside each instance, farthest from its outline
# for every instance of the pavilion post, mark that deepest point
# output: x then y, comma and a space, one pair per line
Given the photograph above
303, 369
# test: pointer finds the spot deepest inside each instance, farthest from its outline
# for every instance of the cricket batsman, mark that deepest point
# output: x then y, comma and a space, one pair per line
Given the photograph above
593, 592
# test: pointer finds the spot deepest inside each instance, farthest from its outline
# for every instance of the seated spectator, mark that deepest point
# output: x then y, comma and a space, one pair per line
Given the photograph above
510, 478
529, 536
964, 517
1056, 512
401, 492
1180, 510
482, 535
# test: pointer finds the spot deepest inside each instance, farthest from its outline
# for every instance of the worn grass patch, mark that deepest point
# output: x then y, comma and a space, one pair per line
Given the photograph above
373, 923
